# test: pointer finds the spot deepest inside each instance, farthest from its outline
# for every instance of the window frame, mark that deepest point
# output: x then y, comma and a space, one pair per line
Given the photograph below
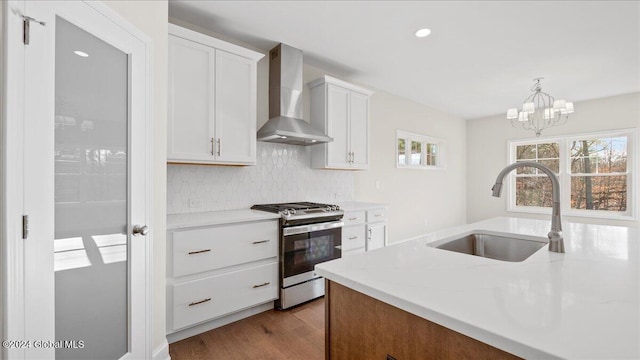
424, 140
565, 175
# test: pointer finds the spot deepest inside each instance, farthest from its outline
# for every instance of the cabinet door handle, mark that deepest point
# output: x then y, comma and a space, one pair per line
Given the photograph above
260, 242
199, 251
351, 219
369, 234
219, 147
353, 237
212, 144
353, 157
200, 302
377, 215
261, 285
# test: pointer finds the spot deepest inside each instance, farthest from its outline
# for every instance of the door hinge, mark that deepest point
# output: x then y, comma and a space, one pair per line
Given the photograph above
26, 20
25, 226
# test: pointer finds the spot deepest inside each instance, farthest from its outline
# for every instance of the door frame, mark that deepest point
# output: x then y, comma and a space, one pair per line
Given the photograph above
12, 179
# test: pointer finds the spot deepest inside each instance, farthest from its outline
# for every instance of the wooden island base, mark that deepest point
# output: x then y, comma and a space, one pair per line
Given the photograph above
361, 327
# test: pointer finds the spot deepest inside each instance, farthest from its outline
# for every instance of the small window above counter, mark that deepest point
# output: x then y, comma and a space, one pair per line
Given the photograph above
416, 151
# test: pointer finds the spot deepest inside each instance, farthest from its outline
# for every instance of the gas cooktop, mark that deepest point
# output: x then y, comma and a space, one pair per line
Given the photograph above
301, 210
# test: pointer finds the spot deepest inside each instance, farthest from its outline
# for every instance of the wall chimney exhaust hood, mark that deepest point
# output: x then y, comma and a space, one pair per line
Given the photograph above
285, 123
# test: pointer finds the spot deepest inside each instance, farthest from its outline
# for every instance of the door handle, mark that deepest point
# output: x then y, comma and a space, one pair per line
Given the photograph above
140, 230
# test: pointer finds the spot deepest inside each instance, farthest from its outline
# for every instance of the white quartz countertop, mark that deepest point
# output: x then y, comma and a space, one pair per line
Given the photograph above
359, 206
179, 221
584, 303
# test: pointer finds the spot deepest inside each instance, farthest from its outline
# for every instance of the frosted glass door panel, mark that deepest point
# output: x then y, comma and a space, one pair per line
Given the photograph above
91, 197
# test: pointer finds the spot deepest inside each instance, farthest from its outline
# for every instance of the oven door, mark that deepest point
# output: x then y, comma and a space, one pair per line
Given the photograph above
305, 246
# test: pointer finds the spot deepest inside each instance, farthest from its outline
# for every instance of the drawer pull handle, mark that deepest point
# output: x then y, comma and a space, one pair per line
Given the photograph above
351, 219
199, 251
200, 302
261, 285
353, 237
260, 242
377, 215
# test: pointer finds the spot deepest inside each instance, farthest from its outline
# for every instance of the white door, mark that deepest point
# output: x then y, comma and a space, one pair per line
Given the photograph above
190, 129
85, 183
235, 120
338, 126
376, 234
359, 118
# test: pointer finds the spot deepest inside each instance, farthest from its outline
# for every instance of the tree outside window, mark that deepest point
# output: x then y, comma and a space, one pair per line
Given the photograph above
595, 173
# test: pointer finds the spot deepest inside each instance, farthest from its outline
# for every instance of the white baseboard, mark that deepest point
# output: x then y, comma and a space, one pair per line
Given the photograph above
162, 351
210, 325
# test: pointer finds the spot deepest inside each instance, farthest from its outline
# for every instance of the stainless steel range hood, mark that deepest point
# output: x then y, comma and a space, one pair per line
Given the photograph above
285, 123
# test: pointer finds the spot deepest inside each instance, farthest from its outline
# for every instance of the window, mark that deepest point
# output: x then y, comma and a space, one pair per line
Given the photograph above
599, 173
417, 151
533, 187
595, 173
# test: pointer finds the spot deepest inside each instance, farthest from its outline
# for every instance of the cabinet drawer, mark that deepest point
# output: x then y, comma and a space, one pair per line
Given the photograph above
353, 237
354, 217
217, 247
376, 215
212, 297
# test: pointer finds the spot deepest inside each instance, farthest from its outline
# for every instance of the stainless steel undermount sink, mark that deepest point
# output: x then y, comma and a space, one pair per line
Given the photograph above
499, 247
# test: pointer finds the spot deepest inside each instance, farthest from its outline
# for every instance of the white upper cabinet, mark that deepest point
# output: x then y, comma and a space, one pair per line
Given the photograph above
212, 100
341, 110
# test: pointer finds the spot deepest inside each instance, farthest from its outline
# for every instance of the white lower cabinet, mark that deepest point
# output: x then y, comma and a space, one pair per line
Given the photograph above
212, 297
363, 230
353, 238
215, 271
376, 235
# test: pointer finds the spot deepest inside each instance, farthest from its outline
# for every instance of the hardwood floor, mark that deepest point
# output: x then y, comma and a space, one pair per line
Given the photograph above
296, 333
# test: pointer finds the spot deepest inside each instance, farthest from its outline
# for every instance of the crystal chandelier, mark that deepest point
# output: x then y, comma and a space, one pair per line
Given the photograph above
540, 111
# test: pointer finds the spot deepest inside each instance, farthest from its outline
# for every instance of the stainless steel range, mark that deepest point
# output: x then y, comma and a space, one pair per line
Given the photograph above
310, 233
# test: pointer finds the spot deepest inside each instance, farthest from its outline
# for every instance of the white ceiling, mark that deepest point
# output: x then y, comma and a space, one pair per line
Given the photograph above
479, 60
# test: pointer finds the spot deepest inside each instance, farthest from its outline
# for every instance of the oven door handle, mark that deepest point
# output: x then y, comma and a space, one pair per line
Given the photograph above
311, 228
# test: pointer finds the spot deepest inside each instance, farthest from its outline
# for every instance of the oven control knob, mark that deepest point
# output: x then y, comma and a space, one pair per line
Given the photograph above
328, 208
285, 212
292, 211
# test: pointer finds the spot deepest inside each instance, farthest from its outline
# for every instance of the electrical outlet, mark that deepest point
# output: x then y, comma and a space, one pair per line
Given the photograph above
338, 196
195, 203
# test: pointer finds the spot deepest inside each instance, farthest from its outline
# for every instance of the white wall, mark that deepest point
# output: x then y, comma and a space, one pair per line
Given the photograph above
487, 151
151, 17
419, 201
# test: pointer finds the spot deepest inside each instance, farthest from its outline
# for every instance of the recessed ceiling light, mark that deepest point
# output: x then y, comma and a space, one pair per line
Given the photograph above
81, 53
423, 32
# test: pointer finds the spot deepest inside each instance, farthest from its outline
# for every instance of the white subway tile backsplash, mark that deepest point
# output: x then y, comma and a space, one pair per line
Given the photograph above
282, 173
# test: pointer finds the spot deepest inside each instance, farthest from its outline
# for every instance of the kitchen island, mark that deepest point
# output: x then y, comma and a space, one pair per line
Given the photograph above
584, 303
